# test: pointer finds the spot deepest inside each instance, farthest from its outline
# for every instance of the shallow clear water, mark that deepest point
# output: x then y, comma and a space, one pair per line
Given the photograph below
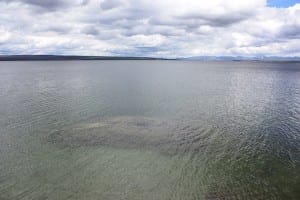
149, 130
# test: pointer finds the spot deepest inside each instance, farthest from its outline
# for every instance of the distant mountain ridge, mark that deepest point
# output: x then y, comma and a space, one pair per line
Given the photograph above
242, 58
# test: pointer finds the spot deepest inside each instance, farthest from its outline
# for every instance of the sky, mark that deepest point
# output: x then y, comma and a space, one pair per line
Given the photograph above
154, 28
282, 3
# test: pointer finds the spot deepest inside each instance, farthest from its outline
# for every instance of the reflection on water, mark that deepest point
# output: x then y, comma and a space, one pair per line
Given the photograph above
149, 130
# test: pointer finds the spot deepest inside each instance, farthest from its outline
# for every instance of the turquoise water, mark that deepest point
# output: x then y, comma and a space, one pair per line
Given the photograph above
149, 130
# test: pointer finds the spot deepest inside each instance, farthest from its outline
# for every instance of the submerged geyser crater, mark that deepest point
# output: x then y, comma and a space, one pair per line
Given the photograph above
134, 132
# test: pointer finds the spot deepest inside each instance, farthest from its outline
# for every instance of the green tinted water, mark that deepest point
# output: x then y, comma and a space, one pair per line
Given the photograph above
149, 130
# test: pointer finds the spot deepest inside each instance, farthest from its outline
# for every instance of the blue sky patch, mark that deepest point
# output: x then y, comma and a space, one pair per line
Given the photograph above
282, 3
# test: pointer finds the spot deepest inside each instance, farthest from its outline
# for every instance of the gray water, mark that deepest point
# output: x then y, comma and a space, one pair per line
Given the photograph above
149, 130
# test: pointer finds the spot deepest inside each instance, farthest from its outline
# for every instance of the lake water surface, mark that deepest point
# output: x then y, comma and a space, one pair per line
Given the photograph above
149, 130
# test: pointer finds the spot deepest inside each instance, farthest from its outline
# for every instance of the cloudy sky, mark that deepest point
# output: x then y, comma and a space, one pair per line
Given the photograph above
159, 28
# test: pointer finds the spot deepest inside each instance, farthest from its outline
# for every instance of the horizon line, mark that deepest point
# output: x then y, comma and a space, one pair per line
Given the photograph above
24, 57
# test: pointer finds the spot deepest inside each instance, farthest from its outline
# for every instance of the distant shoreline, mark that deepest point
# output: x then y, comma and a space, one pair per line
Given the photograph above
200, 58
57, 57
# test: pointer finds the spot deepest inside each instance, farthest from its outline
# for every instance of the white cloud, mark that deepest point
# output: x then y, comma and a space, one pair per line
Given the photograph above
148, 27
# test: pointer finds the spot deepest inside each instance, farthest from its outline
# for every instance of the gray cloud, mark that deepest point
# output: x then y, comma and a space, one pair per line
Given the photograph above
110, 4
50, 5
90, 30
290, 31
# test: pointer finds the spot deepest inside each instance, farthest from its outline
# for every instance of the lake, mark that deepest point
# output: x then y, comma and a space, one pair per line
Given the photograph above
149, 130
